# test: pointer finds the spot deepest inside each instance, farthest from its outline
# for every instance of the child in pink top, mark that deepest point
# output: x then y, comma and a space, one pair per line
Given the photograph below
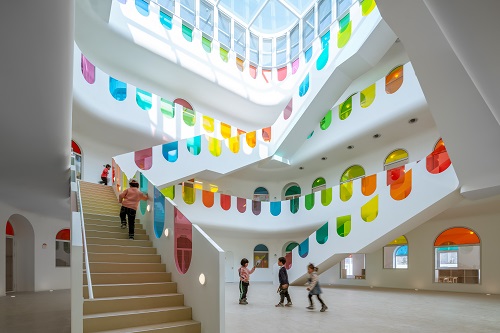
130, 200
244, 280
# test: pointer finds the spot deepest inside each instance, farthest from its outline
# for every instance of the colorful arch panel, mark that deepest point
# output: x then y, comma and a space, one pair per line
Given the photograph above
159, 213
457, 236
369, 211
343, 225
401, 188
322, 234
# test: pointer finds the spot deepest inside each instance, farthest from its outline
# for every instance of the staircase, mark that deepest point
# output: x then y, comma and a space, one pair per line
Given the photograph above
132, 290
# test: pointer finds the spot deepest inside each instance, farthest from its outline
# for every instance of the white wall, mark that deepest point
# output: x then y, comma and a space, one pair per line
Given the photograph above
420, 273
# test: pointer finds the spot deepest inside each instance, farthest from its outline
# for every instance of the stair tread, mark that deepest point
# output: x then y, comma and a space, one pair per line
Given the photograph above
131, 312
128, 284
115, 298
147, 328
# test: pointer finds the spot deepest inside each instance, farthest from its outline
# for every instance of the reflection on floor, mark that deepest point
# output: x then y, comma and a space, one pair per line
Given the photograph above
350, 310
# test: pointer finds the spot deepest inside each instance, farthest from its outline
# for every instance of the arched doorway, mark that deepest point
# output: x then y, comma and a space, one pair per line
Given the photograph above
23, 250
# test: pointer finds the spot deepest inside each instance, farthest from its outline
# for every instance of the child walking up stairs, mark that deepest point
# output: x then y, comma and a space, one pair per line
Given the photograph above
132, 290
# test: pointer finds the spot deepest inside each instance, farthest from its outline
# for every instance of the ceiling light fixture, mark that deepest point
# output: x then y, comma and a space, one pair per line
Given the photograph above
301, 168
324, 158
412, 120
376, 136
350, 147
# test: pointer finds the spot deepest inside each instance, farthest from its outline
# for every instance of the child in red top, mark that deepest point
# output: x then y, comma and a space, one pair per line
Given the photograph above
244, 280
104, 175
130, 200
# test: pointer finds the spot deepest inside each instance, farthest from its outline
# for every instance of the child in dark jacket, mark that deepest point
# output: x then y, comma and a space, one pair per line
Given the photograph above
283, 288
314, 288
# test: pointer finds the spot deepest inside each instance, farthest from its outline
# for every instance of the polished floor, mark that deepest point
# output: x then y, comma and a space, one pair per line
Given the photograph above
350, 310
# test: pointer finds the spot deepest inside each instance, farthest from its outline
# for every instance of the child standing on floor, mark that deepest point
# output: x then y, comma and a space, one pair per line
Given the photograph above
314, 288
244, 280
283, 289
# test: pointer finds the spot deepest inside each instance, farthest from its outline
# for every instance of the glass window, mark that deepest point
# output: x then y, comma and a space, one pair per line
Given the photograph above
261, 194
294, 42
342, 7
324, 14
240, 41
308, 29
396, 254
188, 11
63, 248
168, 5
207, 18
281, 57
395, 159
353, 267
267, 52
353, 172
292, 192
224, 30
261, 256
254, 48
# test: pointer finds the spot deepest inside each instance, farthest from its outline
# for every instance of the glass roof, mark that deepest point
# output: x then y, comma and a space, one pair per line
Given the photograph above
266, 16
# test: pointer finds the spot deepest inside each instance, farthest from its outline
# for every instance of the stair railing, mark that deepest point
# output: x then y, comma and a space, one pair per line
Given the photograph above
84, 236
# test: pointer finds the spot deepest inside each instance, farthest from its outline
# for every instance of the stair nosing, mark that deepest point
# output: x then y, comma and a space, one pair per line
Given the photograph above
115, 298
131, 312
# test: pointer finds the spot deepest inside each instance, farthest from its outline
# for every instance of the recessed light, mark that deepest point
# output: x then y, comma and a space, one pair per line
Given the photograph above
350, 147
412, 120
376, 136
301, 168
324, 158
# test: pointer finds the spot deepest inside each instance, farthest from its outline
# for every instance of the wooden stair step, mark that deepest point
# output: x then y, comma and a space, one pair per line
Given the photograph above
116, 290
184, 326
95, 248
115, 228
129, 303
116, 241
112, 267
134, 277
113, 223
124, 258
115, 235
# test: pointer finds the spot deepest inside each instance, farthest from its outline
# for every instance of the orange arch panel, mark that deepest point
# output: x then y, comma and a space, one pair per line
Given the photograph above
439, 160
63, 234
456, 236
251, 139
208, 198
369, 184
401, 188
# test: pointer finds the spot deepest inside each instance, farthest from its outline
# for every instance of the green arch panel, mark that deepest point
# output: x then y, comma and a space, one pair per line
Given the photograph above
188, 194
168, 192
326, 196
187, 33
326, 121
188, 116
345, 108
309, 201
294, 205
345, 28
322, 234
367, 6
167, 108
343, 225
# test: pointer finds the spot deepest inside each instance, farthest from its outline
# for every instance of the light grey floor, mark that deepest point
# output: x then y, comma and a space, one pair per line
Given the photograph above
362, 310
351, 310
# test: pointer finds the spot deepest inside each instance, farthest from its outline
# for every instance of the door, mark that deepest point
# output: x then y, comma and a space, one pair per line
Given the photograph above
229, 266
9, 264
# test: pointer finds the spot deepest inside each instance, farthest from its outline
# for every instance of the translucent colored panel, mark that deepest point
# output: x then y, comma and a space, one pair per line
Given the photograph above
457, 236
318, 182
439, 160
208, 198
188, 116
304, 86
253, 71
183, 103
159, 213
224, 55
165, 20
323, 57
208, 124
287, 112
168, 192
345, 28
144, 99
267, 75
9, 230
289, 260
63, 234
282, 72
142, 7
117, 89
194, 145
295, 66
294, 205
225, 201
322, 234
401, 188
291, 246
369, 211
326, 121
352, 172
241, 204
225, 130
345, 108
394, 174
234, 144
308, 54
251, 139
398, 241
124, 181
88, 70
304, 248
167, 108
256, 207
170, 151
240, 132
75, 147
309, 201
394, 80
396, 155
187, 33
367, 6
261, 190
261, 248
326, 196
402, 251
310, 135
183, 245
214, 146
275, 207
266, 134
207, 44
188, 194
239, 64
346, 190
343, 225
369, 185
367, 96
144, 158
293, 190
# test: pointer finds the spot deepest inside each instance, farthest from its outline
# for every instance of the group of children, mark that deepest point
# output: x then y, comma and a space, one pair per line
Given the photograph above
312, 284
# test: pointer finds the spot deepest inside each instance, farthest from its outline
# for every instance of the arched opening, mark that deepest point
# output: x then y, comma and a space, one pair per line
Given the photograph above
261, 194
77, 151
350, 174
63, 248
23, 254
183, 232
396, 254
318, 184
457, 256
292, 192
288, 247
261, 256
395, 164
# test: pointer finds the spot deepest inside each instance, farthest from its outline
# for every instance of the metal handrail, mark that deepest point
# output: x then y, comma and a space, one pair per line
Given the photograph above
87, 266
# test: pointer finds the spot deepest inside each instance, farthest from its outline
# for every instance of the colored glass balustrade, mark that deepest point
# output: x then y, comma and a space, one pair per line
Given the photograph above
142, 7
170, 151
304, 248
326, 121
343, 225
169, 192
167, 108
394, 80
287, 112
165, 20
208, 198
144, 158
88, 70
345, 108
369, 211
345, 29
194, 145
367, 96
325, 47
159, 213
144, 99
208, 124
304, 86
117, 89
183, 245
322, 234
